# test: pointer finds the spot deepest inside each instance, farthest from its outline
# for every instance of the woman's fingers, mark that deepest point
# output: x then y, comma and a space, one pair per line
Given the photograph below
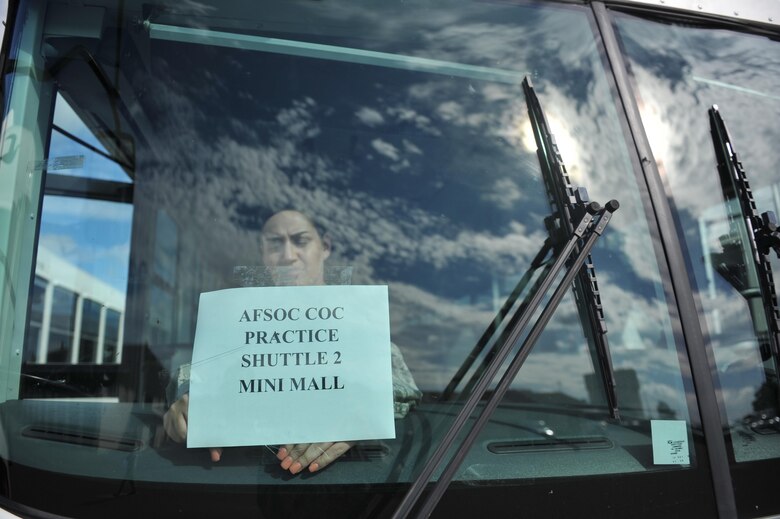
284, 451
175, 424
181, 428
332, 453
216, 454
315, 456
175, 419
300, 455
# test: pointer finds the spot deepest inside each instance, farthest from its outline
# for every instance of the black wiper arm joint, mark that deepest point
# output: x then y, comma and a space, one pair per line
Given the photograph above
768, 234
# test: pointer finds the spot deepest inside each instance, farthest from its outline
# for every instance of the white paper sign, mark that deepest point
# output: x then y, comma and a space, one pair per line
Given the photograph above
670, 442
278, 365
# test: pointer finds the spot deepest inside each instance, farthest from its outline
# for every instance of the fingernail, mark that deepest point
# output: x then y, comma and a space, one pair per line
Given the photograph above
281, 453
287, 462
314, 467
296, 468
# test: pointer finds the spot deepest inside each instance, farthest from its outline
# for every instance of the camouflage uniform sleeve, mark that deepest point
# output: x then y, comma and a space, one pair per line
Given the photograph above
406, 394
179, 384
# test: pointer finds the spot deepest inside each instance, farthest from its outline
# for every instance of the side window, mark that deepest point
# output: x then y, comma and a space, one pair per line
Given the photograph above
82, 260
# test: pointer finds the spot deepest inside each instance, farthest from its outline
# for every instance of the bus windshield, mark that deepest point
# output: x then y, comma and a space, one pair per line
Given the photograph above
174, 150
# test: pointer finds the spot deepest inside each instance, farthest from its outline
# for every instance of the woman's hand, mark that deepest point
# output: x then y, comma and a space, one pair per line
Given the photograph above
316, 456
175, 424
175, 419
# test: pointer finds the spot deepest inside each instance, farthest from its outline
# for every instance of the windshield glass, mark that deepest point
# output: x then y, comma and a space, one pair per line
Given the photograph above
295, 148
680, 73
713, 221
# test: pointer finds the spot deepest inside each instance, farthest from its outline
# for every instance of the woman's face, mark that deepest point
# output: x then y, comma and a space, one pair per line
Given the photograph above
294, 249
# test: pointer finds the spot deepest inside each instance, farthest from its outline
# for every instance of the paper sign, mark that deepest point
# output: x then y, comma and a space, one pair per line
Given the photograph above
670, 442
278, 365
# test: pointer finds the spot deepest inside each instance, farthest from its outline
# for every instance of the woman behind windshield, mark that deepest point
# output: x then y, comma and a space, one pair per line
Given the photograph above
294, 251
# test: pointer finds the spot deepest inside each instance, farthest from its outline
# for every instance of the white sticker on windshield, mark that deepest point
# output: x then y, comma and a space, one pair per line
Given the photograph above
670, 442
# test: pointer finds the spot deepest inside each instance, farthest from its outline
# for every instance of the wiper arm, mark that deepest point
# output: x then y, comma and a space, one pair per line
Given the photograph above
579, 245
536, 263
744, 262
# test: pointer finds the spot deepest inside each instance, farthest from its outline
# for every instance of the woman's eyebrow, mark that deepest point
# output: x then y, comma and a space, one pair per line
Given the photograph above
271, 235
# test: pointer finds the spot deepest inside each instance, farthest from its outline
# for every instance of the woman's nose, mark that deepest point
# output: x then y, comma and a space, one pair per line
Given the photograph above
288, 252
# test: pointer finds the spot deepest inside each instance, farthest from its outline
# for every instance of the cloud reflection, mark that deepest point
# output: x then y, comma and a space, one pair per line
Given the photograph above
680, 73
424, 182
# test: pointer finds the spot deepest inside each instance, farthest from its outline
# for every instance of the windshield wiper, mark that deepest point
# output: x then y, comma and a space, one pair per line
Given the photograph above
572, 242
744, 261
568, 205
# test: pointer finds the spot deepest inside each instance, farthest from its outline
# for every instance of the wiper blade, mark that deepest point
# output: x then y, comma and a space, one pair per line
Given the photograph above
568, 204
579, 245
744, 261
